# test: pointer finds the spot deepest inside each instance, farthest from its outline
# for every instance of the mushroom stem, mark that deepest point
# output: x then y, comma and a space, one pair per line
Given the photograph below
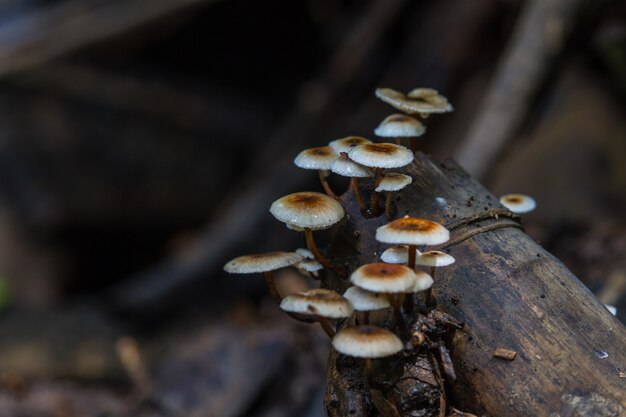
388, 206
374, 199
354, 182
326, 326
325, 184
271, 286
408, 303
430, 301
310, 243
396, 303
366, 317
412, 252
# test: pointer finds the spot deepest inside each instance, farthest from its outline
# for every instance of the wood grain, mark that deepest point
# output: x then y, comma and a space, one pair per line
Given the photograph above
510, 293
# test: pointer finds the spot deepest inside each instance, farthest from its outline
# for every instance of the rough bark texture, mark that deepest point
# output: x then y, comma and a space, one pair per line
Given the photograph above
511, 294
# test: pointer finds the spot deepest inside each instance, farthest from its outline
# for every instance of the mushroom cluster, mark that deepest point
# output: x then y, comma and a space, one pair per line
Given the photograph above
374, 317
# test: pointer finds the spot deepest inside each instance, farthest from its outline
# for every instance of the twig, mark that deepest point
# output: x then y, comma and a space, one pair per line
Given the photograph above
56, 30
537, 38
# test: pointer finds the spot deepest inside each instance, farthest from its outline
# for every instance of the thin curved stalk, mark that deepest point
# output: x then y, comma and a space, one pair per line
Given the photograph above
326, 185
374, 199
354, 182
271, 286
388, 206
310, 243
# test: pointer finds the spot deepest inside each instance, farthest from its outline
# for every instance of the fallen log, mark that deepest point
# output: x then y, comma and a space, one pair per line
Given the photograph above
560, 352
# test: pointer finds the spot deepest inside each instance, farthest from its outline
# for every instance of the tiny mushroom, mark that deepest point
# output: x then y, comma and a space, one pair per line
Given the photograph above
392, 182
306, 254
433, 259
321, 303
367, 342
309, 268
422, 101
346, 168
397, 255
347, 143
518, 203
412, 231
320, 158
400, 126
380, 156
366, 301
391, 279
264, 263
423, 282
307, 211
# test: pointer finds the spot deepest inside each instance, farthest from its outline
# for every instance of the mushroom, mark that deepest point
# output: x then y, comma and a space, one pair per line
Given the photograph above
518, 203
397, 255
390, 279
423, 282
367, 342
309, 268
392, 182
412, 231
434, 259
321, 303
366, 301
380, 156
308, 211
345, 167
307, 254
320, 158
400, 126
422, 101
347, 143
264, 263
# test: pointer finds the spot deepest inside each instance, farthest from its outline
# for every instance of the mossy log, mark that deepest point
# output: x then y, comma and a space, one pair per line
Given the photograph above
510, 293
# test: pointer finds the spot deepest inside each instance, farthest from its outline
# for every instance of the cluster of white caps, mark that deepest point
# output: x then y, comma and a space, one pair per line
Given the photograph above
376, 286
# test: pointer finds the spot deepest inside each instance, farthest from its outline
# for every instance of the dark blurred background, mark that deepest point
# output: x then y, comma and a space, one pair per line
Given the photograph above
142, 142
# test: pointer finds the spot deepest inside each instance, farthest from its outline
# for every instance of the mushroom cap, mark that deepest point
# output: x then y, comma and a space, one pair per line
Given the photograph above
397, 255
347, 143
518, 203
434, 258
400, 126
346, 168
307, 210
320, 301
320, 157
381, 155
309, 265
261, 262
363, 300
412, 231
423, 282
393, 181
367, 342
416, 105
385, 278
305, 253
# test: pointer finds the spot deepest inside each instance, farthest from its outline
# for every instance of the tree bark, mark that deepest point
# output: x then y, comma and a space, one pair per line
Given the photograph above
509, 293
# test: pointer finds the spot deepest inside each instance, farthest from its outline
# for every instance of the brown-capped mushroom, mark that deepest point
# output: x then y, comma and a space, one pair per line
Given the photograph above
391, 182
308, 211
321, 303
264, 263
320, 158
518, 203
412, 231
366, 301
380, 156
346, 168
433, 259
419, 101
